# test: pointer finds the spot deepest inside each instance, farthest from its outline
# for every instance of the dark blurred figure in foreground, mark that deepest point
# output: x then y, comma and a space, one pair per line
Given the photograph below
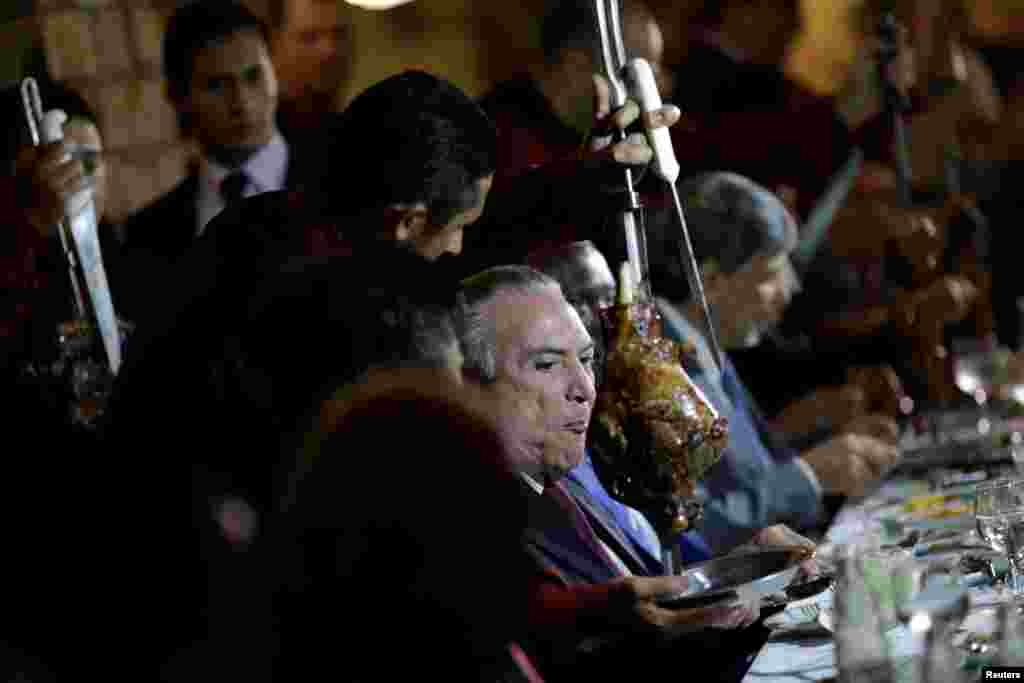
370, 540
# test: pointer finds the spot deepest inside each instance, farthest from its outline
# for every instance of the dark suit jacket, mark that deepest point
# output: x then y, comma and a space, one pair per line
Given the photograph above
167, 226
554, 545
553, 542
159, 236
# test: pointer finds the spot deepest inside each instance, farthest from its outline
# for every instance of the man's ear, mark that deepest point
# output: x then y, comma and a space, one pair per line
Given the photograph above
407, 222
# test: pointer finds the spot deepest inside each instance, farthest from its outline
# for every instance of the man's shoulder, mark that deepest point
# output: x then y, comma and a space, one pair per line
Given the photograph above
508, 93
182, 194
149, 224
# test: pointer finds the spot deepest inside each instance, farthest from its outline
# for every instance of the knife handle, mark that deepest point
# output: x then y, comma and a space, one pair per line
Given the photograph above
644, 88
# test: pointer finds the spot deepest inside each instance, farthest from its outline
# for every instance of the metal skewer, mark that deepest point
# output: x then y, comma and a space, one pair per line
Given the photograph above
624, 78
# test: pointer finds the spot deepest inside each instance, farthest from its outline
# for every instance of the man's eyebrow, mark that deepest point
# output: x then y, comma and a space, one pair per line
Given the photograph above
239, 71
546, 351
556, 351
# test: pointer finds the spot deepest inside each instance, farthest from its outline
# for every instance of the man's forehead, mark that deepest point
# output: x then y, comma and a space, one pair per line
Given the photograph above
305, 14
534, 318
233, 53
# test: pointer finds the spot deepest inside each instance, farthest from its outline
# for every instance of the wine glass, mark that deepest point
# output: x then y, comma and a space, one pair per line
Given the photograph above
1008, 513
989, 496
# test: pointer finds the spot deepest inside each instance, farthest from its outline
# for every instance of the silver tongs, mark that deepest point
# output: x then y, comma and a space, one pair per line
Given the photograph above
635, 78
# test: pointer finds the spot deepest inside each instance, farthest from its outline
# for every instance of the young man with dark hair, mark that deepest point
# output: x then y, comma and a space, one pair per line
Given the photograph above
426, 158
224, 90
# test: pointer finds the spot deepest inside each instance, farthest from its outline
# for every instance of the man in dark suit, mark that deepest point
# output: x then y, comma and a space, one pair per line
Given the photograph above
223, 87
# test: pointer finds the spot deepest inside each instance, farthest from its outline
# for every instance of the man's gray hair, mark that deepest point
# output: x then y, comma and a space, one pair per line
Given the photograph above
476, 332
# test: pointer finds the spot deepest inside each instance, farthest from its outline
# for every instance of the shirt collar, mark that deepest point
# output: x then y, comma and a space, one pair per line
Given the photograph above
266, 168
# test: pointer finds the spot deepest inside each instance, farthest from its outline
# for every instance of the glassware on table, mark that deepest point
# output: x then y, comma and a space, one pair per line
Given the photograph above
990, 495
862, 650
929, 599
1008, 513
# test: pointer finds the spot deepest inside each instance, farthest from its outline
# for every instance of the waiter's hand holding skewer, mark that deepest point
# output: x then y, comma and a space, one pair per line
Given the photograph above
49, 176
634, 150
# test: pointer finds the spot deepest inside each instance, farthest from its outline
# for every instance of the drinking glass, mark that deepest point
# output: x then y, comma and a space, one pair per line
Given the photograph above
989, 496
1008, 508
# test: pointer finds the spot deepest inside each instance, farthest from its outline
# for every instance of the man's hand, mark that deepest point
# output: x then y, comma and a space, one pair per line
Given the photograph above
634, 150
948, 299
50, 177
883, 387
782, 535
823, 408
640, 595
849, 463
876, 425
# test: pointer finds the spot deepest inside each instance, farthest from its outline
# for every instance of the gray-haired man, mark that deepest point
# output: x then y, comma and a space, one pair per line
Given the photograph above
530, 357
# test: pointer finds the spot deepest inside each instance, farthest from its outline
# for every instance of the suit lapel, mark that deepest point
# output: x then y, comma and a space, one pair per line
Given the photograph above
190, 211
554, 543
608, 531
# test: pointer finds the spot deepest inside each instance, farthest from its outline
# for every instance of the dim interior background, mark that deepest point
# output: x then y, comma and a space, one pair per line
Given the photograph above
110, 51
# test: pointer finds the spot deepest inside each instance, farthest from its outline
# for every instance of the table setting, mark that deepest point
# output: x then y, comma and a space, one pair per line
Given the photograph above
928, 568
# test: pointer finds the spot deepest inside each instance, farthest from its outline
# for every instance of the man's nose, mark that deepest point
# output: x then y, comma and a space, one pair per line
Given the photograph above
327, 46
581, 389
241, 97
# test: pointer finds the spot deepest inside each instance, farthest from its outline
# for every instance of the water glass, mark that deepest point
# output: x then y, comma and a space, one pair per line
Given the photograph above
989, 497
1008, 528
